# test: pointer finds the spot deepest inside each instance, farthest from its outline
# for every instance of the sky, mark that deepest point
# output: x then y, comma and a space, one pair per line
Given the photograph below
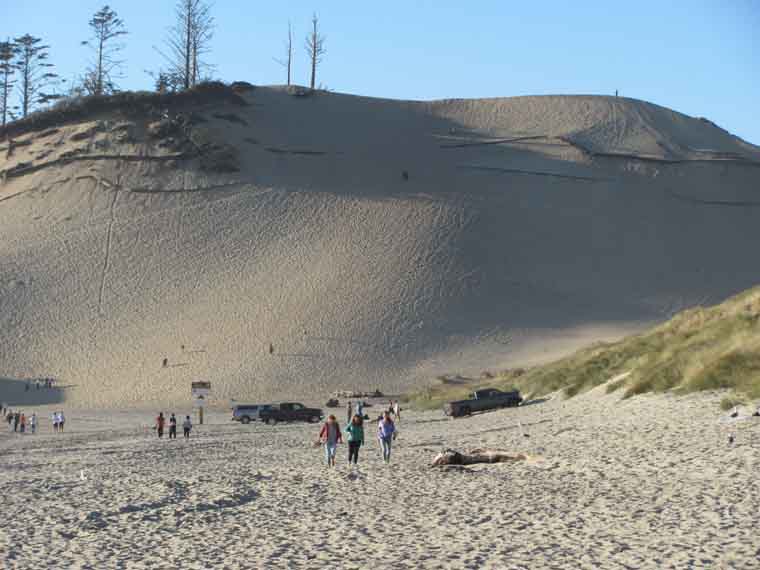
699, 57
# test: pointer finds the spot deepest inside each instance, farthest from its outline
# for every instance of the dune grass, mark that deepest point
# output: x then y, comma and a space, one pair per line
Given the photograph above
699, 349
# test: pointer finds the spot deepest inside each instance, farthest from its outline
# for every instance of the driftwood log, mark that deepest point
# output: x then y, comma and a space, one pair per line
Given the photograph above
452, 457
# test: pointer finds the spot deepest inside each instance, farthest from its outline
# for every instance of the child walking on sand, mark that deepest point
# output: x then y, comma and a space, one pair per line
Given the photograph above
160, 421
187, 425
386, 433
355, 431
330, 436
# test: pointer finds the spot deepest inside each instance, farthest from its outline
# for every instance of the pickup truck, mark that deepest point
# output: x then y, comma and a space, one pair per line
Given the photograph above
290, 412
481, 400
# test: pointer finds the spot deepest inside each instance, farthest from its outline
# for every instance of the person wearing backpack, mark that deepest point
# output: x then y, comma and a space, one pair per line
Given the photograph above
355, 438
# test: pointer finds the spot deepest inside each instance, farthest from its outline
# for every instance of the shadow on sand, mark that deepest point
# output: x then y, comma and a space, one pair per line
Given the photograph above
13, 392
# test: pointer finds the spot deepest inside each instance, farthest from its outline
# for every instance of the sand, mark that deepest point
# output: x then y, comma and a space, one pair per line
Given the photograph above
525, 228
648, 482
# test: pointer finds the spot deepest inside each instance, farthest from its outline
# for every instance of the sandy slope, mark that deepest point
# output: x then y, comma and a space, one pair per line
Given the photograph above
646, 483
605, 215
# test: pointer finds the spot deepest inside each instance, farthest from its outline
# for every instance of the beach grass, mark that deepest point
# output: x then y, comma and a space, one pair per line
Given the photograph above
702, 348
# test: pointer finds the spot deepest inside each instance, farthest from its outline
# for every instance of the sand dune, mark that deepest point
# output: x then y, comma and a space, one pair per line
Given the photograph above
371, 242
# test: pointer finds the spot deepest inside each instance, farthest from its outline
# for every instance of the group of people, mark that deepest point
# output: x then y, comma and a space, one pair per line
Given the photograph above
187, 426
330, 436
19, 422
39, 383
393, 409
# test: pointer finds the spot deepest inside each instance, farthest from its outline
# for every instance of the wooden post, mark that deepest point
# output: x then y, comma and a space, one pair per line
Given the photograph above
200, 413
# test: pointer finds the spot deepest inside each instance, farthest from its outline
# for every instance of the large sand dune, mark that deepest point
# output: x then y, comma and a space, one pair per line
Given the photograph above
371, 242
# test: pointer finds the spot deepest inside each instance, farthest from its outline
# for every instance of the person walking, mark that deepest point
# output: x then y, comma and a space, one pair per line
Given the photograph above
360, 408
386, 433
187, 425
397, 411
330, 437
172, 427
16, 419
355, 431
349, 411
61, 421
33, 423
22, 423
160, 421
54, 419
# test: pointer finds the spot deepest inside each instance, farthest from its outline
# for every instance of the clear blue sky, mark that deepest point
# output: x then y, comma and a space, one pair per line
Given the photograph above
700, 57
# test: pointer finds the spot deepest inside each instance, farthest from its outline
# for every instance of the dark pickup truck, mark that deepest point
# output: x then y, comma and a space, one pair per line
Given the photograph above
290, 412
486, 399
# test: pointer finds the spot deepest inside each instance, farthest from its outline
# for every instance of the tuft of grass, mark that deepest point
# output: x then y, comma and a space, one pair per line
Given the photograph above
703, 348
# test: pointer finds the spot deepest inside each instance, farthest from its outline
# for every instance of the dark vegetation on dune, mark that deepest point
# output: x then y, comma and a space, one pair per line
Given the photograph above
703, 348
127, 102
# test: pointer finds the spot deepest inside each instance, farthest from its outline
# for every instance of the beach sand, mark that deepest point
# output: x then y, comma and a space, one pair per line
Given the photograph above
649, 482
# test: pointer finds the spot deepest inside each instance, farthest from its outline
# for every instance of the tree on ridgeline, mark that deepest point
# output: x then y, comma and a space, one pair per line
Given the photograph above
287, 63
7, 81
106, 28
315, 47
187, 43
35, 73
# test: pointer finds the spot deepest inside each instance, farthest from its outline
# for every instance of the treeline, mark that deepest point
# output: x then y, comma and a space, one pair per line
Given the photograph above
28, 80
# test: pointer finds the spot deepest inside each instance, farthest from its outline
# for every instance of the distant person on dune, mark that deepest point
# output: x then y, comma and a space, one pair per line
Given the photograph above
355, 431
386, 433
330, 437
160, 421
172, 427
187, 425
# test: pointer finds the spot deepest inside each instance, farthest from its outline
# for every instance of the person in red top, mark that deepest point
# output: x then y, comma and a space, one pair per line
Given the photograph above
330, 437
160, 421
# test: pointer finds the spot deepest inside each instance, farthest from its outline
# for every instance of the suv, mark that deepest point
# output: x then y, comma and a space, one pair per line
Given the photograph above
290, 412
247, 413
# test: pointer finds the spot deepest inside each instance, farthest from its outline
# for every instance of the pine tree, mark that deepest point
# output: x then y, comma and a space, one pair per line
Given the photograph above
106, 27
34, 73
7, 81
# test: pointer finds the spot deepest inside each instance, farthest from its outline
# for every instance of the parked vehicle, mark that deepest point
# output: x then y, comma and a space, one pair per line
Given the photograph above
247, 413
290, 412
481, 400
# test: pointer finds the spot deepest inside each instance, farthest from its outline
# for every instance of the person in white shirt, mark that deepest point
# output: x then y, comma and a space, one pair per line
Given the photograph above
33, 423
61, 421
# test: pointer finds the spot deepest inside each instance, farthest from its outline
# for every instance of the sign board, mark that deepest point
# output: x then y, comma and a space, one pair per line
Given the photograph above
201, 392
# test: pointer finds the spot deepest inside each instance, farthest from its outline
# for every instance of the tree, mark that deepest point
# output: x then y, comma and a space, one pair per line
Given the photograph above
288, 61
188, 41
315, 47
7, 56
34, 73
106, 27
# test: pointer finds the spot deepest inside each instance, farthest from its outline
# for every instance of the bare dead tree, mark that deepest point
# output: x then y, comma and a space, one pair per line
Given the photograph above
187, 42
106, 27
7, 56
315, 48
35, 73
287, 62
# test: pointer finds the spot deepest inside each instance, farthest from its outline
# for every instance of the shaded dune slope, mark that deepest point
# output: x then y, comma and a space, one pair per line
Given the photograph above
370, 242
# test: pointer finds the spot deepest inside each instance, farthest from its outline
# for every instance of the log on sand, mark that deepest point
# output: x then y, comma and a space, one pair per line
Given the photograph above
452, 457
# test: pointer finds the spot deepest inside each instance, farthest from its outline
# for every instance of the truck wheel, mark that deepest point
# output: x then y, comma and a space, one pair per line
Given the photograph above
466, 411
271, 421
245, 420
313, 419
